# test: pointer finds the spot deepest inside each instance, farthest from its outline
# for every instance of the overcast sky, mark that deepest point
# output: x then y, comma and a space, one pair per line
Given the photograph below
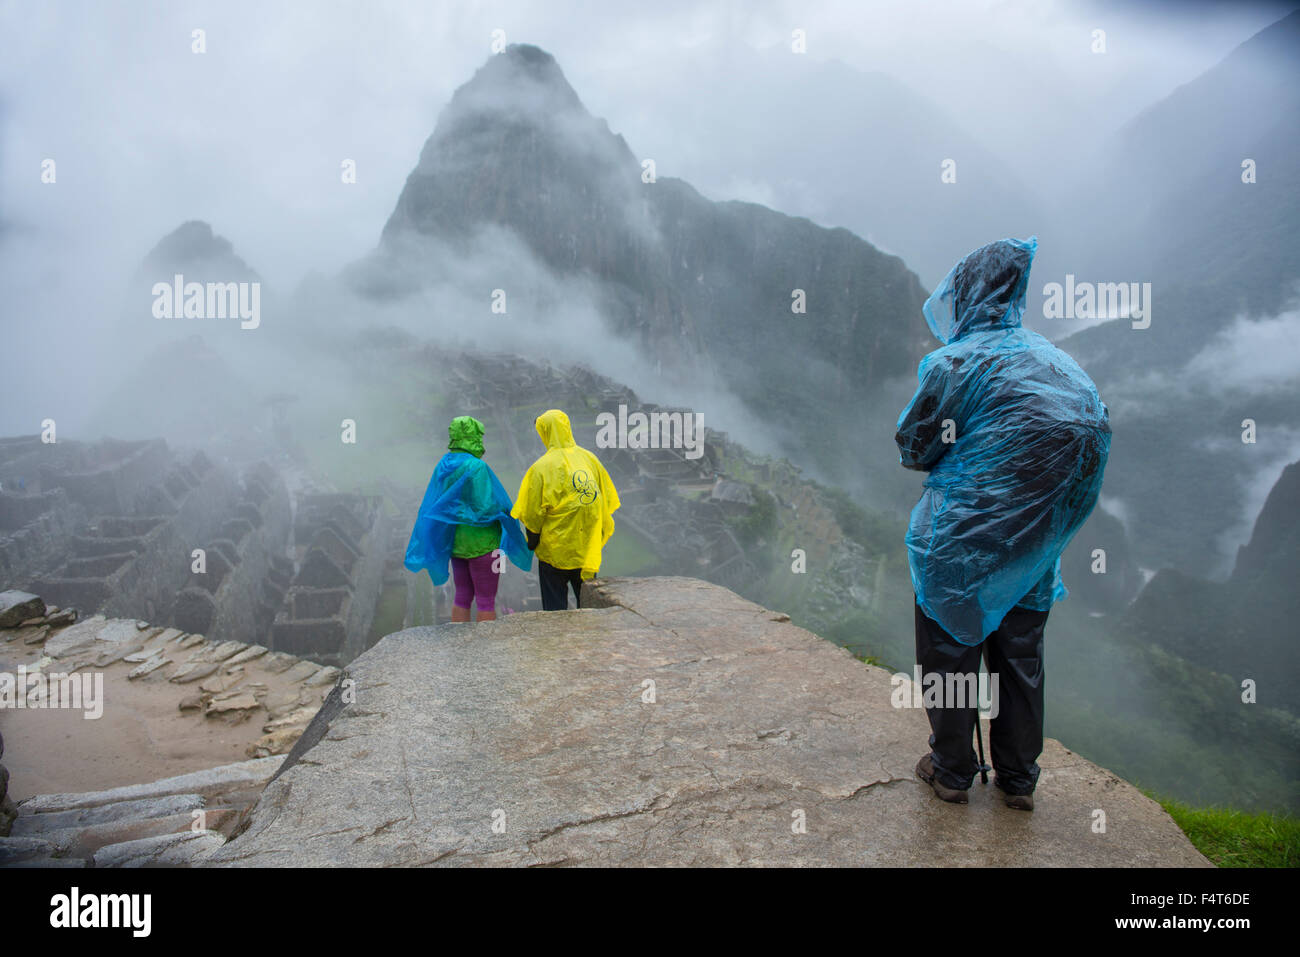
250, 134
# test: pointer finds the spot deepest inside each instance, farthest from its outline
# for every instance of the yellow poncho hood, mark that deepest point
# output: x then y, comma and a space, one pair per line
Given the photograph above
568, 498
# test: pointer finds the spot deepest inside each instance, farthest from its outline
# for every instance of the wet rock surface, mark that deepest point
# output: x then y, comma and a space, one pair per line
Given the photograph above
17, 607
538, 739
168, 700
172, 822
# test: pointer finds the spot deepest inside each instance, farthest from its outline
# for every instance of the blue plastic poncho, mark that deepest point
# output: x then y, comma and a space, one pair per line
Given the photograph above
1015, 439
462, 491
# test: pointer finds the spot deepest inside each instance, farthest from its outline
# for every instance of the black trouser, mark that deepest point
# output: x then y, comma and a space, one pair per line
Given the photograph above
555, 584
1014, 653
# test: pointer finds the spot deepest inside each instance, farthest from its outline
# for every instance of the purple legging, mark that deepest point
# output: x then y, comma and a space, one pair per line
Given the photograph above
475, 582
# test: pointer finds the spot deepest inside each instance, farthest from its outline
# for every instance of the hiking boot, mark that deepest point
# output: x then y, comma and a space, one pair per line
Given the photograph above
925, 771
1020, 802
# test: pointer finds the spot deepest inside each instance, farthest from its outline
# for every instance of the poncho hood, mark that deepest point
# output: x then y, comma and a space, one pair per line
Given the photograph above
985, 290
466, 434
553, 426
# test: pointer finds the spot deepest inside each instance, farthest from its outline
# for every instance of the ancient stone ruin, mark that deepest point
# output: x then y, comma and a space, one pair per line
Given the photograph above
330, 601
133, 529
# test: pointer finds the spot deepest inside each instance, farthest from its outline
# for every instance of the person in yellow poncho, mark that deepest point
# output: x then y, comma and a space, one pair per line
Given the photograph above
566, 503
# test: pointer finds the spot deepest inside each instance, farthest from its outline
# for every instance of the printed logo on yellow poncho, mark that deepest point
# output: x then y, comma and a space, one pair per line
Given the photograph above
585, 487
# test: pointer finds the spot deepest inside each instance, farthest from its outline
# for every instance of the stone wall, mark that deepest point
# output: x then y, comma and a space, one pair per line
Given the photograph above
36, 532
133, 560
344, 541
248, 569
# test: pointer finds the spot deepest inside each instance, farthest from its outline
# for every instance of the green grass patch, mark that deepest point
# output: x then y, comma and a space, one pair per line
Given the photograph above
1237, 839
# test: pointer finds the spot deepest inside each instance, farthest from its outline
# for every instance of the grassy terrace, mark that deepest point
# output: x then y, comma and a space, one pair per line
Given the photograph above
1235, 839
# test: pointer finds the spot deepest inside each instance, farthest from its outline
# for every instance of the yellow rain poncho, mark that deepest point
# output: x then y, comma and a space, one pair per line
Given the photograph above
567, 497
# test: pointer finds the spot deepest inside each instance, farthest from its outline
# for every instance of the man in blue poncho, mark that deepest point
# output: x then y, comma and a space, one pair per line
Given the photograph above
465, 521
1014, 437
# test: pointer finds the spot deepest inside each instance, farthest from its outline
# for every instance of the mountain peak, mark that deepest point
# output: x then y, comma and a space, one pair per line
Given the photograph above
194, 247
514, 141
522, 79
530, 60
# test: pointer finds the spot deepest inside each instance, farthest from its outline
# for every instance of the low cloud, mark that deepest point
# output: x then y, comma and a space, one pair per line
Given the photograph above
1252, 356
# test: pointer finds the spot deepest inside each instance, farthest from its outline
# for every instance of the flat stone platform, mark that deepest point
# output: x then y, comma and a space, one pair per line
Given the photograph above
533, 740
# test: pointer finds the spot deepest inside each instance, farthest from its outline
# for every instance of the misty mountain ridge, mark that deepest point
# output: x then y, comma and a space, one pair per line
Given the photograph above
1174, 177
1246, 624
195, 247
793, 143
701, 288
1222, 257
520, 188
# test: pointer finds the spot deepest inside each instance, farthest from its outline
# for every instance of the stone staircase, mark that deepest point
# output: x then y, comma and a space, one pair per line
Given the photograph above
240, 688
174, 822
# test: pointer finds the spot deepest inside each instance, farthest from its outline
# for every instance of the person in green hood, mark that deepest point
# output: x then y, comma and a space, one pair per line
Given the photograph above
464, 521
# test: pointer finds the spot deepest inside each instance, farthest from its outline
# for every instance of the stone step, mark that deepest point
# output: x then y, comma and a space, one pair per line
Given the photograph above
13, 849
30, 635
87, 546
302, 671
86, 841
117, 526
325, 676
47, 862
34, 825
209, 783
78, 637
192, 671
162, 850
149, 667
84, 593
277, 662
248, 654
240, 800
112, 656
220, 652
96, 566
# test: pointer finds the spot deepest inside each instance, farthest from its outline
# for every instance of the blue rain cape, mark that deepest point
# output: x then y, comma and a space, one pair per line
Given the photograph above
1014, 437
462, 491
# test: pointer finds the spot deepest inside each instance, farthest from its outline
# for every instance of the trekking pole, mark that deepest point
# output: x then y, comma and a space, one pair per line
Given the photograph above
979, 739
